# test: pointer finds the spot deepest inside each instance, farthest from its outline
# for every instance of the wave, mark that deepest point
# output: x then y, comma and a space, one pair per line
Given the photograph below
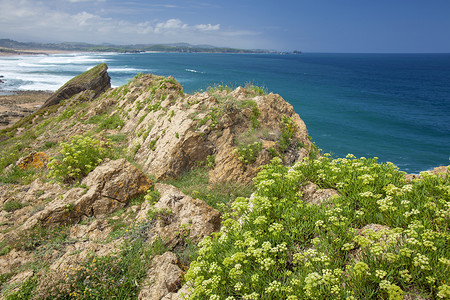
37, 86
49, 72
72, 60
193, 71
34, 65
126, 70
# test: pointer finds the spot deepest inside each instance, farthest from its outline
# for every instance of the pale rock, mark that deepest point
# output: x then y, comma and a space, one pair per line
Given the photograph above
98, 230
77, 253
15, 258
171, 132
311, 193
21, 277
163, 277
187, 216
373, 227
181, 294
109, 186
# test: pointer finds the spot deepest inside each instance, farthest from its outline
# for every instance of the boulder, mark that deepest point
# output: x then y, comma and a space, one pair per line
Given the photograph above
441, 171
95, 79
315, 195
35, 160
182, 216
109, 187
163, 278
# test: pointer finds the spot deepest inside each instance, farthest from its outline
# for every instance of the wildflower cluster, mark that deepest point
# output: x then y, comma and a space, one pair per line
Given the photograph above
78, 157
247, 154
275, 246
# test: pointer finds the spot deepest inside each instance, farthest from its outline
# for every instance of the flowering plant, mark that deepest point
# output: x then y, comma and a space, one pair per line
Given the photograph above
78, 157
273, 245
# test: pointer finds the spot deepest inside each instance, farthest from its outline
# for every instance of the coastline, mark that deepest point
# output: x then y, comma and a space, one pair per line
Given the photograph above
18, 52
19, 105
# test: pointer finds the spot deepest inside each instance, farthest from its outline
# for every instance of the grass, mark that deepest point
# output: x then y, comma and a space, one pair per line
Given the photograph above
18, 175
195, 183
12, 205
106, 122
40, 236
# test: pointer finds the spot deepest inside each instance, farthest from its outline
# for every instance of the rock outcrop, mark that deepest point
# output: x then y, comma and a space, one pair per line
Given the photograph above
182, 217
441, 171
108, 187
95, 79
163, 131
171, 132
163, 278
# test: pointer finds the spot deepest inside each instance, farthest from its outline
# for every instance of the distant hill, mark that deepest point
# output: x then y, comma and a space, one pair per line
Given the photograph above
75, 46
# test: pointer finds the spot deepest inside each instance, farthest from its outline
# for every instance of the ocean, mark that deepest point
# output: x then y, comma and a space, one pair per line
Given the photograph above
392, 106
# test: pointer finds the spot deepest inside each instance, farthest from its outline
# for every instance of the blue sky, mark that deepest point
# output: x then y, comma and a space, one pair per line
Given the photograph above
307, 25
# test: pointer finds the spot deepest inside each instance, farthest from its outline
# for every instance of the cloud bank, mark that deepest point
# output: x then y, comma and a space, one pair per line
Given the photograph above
40, 21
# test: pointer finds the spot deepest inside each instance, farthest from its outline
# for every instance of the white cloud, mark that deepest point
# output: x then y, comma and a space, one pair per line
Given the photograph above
171, 24
83, 18
27, 20
208, 27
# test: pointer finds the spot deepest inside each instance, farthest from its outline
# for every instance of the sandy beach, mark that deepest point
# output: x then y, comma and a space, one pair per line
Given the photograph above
13, 52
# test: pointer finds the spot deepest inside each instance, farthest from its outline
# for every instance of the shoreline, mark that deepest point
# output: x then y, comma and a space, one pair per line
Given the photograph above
20, 52
19, 105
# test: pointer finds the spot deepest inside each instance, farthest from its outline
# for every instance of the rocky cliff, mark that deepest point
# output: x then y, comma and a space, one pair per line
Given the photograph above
95, 80
61, 222
146, 192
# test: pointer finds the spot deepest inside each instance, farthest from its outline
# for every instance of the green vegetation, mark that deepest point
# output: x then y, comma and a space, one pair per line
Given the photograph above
219, 88
196, 184
39, 236
12, 205
17, 175
106, 122
272, 245
284, 248
288, 129
257, 90
78, 157
182, 47
26, 290
247, 153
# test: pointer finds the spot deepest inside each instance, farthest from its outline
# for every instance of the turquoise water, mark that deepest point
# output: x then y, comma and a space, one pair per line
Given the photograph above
393, 106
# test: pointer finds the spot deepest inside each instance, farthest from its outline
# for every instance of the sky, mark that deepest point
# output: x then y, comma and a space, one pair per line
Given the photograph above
352, 26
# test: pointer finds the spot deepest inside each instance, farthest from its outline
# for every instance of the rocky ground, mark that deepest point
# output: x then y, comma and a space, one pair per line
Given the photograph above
129, 227
52, 233
20, 104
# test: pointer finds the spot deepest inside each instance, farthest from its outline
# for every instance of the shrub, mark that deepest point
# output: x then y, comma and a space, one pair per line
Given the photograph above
288, 130
211, 161
78, 157
275, 246
248, 153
